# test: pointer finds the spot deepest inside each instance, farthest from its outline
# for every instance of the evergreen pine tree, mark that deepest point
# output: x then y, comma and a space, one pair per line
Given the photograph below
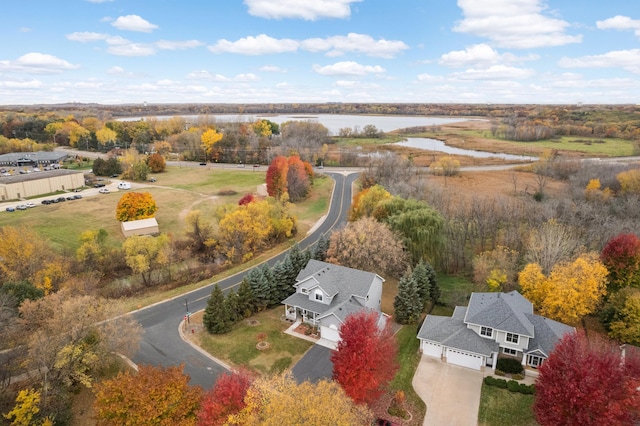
231, 303
283, 289
407, 303
216, 317
299, 258
320, 249
246, 301
434, 289
421, 277
273, 296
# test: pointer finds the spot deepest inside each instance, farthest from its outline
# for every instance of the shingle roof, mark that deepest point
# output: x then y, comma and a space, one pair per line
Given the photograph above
303, 301
344, 309
338, 280
454, 333
38, 156
501, 311
548, 332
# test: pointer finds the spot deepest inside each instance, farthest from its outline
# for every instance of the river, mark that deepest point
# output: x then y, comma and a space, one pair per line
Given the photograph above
440, 146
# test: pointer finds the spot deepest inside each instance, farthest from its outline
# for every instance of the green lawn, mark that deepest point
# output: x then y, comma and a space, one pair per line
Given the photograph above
499, 407
238, 347
408, 357
454, 290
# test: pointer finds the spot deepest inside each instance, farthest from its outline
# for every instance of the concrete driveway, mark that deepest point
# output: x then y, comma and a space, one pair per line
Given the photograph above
452, 393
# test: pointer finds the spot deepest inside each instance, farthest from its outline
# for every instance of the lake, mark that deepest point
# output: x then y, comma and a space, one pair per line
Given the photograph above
436, 145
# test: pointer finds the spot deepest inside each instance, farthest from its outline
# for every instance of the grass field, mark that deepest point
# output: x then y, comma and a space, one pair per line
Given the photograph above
499, 407
238, 347
178, 191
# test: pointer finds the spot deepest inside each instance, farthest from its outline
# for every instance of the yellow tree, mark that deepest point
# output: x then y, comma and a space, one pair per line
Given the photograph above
279, 400
77, 134
105, 135
26, 408
244, 231
135, 206
262, 128
571, 291
92, 124
365, 201
209, 138
145, 254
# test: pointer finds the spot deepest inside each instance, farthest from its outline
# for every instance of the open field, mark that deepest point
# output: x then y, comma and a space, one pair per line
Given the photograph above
178, 191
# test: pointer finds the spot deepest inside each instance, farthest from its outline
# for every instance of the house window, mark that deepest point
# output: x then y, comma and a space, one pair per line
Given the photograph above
318, 296
486, 331
512, 338
534, 361
305, 291
509, 351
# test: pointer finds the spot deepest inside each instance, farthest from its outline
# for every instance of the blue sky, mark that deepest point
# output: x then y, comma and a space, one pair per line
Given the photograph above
235, 51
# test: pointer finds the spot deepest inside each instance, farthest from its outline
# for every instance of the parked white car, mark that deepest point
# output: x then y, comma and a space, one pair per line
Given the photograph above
103, 190
124, 185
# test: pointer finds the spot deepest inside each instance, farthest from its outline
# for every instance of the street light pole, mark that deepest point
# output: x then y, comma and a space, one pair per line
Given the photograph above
186, 304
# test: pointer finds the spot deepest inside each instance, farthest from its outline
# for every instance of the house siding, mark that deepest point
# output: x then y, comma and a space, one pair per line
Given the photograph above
375, 294
501, 336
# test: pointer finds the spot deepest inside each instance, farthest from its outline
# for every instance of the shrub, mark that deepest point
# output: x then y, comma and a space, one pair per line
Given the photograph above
500, 373
517, 376
509, 366
513, 386
526, 389
500, 383
489, 381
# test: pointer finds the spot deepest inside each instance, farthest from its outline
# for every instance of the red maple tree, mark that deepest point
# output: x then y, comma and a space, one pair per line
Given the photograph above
246, 199
224, 398
277, 177
365, 359
587, 382
297, 179
621, 256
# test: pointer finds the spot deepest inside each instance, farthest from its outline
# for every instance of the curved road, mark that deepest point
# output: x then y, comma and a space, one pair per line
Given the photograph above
161, 342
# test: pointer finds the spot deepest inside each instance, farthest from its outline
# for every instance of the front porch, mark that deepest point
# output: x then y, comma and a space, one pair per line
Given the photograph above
296, 313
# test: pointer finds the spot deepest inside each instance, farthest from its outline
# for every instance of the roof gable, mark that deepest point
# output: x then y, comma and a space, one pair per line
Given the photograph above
501, 311
548, 332
338, 280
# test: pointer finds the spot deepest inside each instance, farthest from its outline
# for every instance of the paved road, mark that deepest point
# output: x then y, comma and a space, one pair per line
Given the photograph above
161, 343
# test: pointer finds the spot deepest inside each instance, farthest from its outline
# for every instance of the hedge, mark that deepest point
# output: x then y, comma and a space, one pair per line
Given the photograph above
511, 385
510, 366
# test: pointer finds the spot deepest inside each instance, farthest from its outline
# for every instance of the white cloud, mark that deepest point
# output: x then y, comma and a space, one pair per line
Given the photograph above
353, 42
348, 68
131, 49
84, 37
134, 23
282, 85
354, 84
300, 9
430, 78
31, 84
480, 55
494, 72
206, 75
37, 63
178, 45
334, 46
626, 59
24, 29
621, 23
518, 24
258, 45
119, 71
272, 68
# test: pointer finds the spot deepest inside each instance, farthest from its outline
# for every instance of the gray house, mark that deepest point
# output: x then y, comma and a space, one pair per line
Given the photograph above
326, 294
492, 325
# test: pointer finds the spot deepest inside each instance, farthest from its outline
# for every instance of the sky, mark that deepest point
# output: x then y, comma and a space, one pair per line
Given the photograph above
308, 51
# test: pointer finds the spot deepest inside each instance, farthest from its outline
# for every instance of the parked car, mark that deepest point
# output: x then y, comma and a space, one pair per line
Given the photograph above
124, 185
99, 185
30, 205
60, 199
152, 179
115, 175
45, 202
203, 164
10, 209
70, 198
21, 207
77, 196
103, 190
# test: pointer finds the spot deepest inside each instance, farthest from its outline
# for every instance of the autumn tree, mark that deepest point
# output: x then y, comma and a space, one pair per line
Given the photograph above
368, 245
145, 254
571, 291
277, 177
216, 318
552, 243
587, 382
365, 201
298, 184
134, 165
111, 166
621, 256
209, 138
106, 136
246, 199
25, 412
225, 398
199, 232
446, 166
496, 270
365, 359
621, 315
153, 395
407, 304
156, 163
70, 338
244, 231
135, 206
279, 400
629, 181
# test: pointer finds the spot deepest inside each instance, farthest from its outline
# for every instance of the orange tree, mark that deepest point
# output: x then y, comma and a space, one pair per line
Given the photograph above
135, 205
155, 395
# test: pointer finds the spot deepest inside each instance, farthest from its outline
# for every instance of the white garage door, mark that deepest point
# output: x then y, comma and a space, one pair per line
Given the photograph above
464, 359
431, 349
330, 333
